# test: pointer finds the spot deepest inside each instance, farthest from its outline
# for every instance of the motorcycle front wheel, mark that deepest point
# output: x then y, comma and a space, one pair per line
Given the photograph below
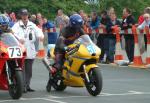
48, 87
58, 85
94, 86
16, 88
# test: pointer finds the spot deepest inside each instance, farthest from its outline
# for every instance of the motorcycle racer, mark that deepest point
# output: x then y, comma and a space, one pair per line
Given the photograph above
67, 36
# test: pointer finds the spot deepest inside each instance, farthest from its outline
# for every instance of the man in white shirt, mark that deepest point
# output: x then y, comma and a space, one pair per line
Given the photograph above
27, 33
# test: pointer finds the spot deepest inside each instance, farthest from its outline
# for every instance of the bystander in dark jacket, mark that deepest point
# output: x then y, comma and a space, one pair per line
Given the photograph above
128, 21
111, 39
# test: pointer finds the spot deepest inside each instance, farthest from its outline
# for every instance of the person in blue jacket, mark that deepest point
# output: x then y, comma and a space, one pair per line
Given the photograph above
94, 24
50, 29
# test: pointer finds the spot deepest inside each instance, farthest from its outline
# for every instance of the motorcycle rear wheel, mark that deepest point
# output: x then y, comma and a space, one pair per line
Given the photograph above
16, 89
94, 87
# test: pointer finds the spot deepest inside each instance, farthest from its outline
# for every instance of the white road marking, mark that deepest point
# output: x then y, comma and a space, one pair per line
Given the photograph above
126, 94
107, 94
29, 99
135, 92
51, 98
7, 101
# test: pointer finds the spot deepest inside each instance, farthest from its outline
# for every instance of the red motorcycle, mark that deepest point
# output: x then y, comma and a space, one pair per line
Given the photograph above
12, 55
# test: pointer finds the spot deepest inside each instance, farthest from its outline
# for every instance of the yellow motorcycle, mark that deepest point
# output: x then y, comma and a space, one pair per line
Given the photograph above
80, 67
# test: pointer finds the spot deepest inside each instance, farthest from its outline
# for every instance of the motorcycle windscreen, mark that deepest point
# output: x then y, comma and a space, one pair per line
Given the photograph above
9, 40
11, 45
88, 43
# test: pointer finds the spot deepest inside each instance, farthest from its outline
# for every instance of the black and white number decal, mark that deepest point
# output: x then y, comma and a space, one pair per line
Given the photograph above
14, 52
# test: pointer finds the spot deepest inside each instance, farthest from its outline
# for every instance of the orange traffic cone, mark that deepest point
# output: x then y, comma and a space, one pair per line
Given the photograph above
41, 51
119, 58
118, 51
137, 61
148, 47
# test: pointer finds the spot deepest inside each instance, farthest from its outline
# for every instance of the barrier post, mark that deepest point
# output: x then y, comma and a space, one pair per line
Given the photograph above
118, 52
148, 47
137, 61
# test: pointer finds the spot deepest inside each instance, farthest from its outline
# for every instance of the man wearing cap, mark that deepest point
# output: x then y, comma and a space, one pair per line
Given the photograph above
27, 33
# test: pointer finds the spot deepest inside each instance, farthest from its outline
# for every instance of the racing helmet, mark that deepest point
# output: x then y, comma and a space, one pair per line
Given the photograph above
4, 23
75, 21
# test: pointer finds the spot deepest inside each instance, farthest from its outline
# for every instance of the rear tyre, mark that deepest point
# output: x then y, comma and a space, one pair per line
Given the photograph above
16, 89
94, 87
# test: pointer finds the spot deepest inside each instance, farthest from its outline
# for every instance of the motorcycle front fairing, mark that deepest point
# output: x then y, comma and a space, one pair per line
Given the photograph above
87, 54
88, 48
10, 50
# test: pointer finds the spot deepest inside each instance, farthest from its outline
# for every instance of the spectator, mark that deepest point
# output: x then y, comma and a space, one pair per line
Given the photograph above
104, 18
50, 30
95, 20
86, 25
111, 11
61, 20
81, 13
112, 39
142, 26
94, 24
27, 33
103, 39
13, 19
128, 21
141, 18
146, 21
39, 19
12, 15
33, 18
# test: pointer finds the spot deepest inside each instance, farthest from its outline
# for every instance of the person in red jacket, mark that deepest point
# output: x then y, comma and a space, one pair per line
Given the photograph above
141, 18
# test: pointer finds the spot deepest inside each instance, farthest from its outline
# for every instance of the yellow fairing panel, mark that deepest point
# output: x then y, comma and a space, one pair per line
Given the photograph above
71, 80
76, 81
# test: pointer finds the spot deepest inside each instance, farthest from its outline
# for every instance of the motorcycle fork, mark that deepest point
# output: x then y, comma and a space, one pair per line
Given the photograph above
8, 74
86, 74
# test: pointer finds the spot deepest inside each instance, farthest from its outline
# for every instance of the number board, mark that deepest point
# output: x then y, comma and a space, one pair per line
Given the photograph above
14, 52
91, 49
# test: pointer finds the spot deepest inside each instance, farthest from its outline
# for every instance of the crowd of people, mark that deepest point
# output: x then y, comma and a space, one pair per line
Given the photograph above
29, 29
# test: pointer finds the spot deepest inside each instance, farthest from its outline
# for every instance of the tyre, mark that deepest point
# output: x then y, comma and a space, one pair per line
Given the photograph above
59, 85
48, 87
16, 89
94, 86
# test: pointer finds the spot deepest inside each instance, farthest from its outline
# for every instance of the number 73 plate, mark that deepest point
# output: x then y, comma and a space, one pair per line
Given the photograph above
14, 52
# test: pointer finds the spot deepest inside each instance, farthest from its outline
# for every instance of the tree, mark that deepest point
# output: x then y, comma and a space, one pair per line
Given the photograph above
49, 7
